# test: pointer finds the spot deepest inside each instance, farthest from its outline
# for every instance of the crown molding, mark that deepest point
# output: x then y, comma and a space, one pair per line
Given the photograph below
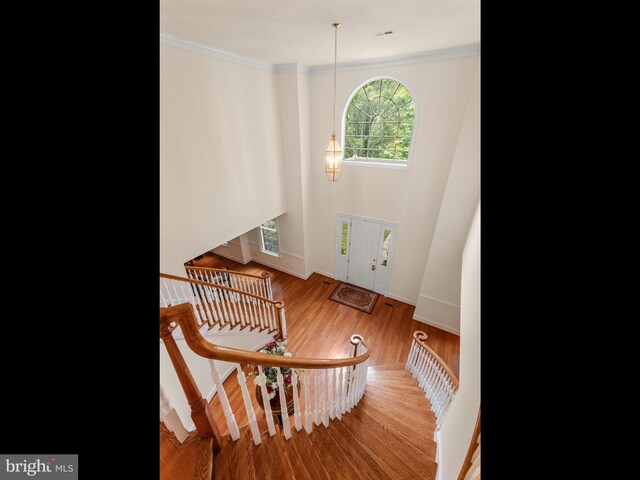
176, 42
407, 59
421, 57
292, 67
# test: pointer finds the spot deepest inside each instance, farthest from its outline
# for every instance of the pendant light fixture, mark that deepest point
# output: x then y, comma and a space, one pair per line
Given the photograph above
333, 158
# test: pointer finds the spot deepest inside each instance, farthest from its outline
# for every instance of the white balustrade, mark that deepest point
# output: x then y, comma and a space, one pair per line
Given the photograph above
433, 376
214, 305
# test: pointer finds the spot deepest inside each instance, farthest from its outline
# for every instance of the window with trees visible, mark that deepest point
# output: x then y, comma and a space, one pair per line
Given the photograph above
379, 123
269, 237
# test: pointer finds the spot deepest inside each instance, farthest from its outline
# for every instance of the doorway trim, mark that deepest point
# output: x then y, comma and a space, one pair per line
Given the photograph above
392, 250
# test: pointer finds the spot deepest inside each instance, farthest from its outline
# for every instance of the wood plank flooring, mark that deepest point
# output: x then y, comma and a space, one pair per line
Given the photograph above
318, 327
388, 435
192, 459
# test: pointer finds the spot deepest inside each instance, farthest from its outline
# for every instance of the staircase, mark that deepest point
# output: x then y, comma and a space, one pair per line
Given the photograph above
335, 430
388, 435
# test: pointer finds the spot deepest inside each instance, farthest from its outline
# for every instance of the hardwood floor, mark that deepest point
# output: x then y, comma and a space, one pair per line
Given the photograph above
189, 460
388, 435
318, 327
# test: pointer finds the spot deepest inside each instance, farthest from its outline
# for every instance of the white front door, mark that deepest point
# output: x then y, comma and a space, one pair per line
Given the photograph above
365, 237
364, 252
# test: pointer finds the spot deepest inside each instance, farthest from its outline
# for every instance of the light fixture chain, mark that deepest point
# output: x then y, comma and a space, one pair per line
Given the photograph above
335, 62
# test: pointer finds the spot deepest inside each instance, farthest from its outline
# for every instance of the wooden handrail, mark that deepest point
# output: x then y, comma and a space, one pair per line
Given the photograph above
473, 444
276, 303
183, 315
224, 270
420, 337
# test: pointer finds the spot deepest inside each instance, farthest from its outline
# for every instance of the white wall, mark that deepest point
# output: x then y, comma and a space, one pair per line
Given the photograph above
458, 425
411, 199
439, 299
237, 249
221, 170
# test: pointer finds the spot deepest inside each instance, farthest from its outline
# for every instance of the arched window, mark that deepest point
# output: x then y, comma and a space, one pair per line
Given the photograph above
379, 123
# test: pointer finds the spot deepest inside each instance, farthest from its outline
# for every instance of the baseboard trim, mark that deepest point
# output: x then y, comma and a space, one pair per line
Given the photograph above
441, 326
400, 298
279, 268
326, 274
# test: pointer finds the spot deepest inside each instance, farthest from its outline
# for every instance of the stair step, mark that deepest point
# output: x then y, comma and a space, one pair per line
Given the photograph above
388, 435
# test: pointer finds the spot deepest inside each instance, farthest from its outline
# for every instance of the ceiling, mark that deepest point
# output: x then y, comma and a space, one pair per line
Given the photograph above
300, 31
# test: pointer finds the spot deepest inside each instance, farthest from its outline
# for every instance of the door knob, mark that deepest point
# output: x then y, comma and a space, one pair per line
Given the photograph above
373, 267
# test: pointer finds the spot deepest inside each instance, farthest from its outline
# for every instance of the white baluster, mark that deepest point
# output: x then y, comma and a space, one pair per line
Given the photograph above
204, 312
163, 302
432, 372
365, 371
325, 406
224, 401
286, 427
353, 377
234, 306
419, 364
308, 422
409, 365
296, 405
269, 288
188, 294
425, 368
332, 396
253, 424
427, 384
361, 382
316, 404
340, 397
170, 418
176, 298
440, 391
247, 311
215, 306
433, 382
223, 304
265, 401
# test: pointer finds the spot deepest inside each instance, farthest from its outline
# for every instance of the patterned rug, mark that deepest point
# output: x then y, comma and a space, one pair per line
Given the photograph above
355, 297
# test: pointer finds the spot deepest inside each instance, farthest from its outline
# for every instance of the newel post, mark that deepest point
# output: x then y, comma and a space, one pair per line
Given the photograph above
266, 276
282, 324
202, 417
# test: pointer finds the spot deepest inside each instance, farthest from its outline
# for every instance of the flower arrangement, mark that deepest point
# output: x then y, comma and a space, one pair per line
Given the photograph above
271, 373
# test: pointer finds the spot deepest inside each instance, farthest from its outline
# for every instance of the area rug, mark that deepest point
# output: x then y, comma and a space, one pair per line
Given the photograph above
354, 297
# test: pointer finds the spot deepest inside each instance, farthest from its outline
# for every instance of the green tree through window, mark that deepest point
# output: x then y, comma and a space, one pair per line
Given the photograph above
379, 123
269, 237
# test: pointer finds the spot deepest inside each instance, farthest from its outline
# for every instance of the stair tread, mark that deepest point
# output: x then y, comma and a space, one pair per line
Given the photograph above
388, 435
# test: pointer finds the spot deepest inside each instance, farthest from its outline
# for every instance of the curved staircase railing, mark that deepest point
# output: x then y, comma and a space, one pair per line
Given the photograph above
256, 284
328, 388
433, 375
221, 307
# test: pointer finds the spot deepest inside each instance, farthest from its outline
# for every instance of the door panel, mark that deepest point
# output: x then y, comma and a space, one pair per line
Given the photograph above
365, 240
